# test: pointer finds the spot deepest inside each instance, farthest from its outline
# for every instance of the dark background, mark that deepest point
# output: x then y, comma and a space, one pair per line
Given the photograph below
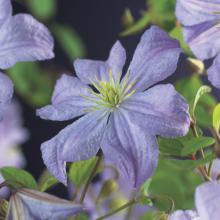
98, 22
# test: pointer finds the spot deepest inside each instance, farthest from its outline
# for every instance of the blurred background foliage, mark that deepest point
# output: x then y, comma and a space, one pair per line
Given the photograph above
34, 82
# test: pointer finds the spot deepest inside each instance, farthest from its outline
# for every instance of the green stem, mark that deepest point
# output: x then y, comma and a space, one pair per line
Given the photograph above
202, 169
172, 205
167, 198
210, 168
132, 202
216, 135
204, 173
195, 132
92, 174
130, 209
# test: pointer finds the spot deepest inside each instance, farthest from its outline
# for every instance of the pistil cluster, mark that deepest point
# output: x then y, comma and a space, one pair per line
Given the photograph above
110, 94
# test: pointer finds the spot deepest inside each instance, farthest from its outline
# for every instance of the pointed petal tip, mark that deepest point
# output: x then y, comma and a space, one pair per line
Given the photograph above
155, 58
92, 70
40, 112
53, 163
45, 112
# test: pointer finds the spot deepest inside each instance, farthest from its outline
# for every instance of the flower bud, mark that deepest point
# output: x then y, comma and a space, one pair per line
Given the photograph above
127, 19
195, 65
110, 186
3, 208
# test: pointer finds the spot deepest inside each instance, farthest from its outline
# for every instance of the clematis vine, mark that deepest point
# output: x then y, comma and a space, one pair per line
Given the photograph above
12, 134
118, 115
207, 198
200, 19
31, 204
22, 39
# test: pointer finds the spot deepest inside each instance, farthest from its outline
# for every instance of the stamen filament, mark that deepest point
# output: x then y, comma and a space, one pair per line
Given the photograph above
111, 93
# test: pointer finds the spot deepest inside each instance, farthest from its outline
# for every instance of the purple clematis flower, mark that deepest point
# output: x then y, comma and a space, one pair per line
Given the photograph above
202, 31
12, 134
207, 198
22, 39
30, 204
118, 115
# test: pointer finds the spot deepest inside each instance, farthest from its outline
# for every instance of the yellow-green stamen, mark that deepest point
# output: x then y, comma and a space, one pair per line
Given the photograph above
111, 93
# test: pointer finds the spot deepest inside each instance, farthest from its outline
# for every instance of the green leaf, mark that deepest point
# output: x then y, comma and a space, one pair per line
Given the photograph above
47, 181
138, 26
192, 146
18, 178
43, 9
190, 135
69, 40
202, 90
32, 83
80, 171
192, 164
216, 118
203, 117
170, 146
178, 184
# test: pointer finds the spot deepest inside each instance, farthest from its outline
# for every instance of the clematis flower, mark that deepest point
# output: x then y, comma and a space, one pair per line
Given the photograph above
118, 115
22, 39
12, 134
31, 204
200, 19
207, 198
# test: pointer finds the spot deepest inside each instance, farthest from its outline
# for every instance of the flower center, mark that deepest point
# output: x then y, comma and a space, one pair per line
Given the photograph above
111, 93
